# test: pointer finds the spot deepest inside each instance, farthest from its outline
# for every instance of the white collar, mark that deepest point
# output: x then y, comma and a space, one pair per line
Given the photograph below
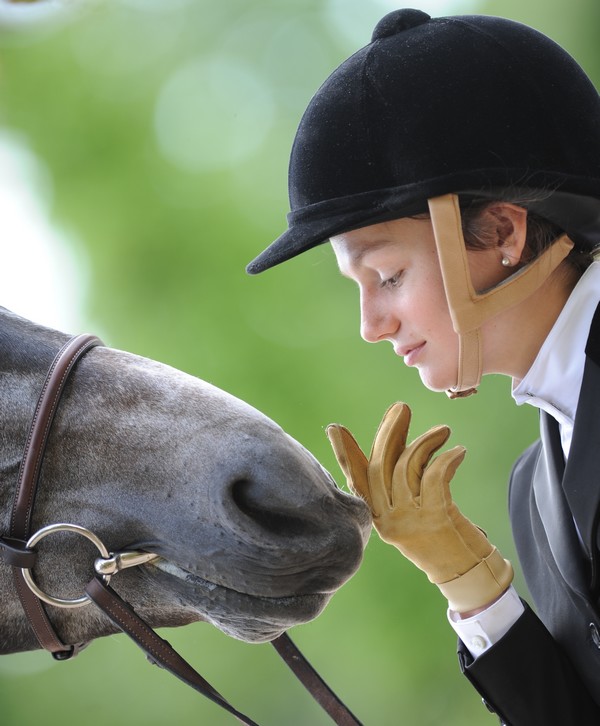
553, 381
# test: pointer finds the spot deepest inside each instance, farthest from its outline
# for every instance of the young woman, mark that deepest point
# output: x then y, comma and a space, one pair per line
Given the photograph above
454, 164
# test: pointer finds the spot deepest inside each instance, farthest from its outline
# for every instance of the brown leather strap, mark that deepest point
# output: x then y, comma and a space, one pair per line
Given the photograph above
159, 651
14, 553
35, 446
29, 471
313, 682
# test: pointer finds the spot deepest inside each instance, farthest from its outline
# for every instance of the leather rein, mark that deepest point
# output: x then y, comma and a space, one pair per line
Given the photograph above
18, 550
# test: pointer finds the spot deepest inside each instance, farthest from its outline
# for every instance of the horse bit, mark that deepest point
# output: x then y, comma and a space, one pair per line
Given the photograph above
17, 550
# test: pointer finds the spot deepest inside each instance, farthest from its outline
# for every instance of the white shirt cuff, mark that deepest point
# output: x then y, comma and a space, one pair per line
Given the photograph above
483, 630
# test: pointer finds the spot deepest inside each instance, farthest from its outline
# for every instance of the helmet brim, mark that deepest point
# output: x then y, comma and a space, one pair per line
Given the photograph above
577, 214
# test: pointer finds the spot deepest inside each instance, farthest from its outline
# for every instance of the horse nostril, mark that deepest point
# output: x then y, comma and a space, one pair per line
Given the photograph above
245, 495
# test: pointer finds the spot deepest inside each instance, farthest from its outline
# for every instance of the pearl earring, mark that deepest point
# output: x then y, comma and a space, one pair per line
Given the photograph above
505, 262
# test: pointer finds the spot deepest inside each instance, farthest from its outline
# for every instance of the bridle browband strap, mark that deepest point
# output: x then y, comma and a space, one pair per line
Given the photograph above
14, 550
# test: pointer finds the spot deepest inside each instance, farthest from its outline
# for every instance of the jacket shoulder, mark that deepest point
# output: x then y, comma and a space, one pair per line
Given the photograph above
521, 478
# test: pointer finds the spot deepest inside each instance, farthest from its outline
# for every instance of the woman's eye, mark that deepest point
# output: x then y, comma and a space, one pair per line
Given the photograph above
393, 281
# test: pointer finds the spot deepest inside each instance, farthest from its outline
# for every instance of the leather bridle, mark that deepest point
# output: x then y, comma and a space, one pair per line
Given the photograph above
18, 550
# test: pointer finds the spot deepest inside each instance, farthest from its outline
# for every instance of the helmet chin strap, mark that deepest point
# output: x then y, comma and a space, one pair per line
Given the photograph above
470, 309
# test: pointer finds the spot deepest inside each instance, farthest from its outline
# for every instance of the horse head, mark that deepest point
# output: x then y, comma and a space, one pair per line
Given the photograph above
251, 532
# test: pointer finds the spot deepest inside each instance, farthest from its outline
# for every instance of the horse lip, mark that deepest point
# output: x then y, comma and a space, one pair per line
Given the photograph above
180, 573
251, 618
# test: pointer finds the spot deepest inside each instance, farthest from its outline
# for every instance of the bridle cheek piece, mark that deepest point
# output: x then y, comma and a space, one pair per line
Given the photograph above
18, 550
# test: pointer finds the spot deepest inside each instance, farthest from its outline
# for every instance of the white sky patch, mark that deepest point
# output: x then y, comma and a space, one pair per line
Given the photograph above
40, 278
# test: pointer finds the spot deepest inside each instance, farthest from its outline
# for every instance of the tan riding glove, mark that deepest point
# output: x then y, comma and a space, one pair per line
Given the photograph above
409, 496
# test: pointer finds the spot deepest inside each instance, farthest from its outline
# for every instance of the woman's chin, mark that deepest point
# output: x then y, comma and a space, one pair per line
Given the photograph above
437, 381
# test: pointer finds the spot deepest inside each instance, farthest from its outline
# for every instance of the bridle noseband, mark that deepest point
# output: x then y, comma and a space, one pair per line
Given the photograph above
18, 550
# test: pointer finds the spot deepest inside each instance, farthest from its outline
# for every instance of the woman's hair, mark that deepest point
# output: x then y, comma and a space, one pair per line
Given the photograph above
480, 233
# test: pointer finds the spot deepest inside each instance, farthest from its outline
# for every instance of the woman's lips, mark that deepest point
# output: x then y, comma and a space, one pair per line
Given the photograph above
411, 355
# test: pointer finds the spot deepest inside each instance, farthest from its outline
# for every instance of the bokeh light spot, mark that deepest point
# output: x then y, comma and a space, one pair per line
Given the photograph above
211, 114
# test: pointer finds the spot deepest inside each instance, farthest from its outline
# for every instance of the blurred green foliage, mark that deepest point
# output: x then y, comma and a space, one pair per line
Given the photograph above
166, 128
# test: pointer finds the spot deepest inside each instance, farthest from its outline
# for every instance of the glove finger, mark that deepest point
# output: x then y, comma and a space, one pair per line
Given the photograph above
415, 458
439, 474
389, 441
388, 446
351, 459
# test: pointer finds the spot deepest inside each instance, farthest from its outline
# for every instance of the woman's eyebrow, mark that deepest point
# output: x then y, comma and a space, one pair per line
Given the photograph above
364, 248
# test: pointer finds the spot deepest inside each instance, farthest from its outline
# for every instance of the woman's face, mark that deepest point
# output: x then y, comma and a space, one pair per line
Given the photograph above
402, 299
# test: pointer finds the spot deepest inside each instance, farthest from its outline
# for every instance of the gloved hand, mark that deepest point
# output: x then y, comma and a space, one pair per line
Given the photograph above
409, 496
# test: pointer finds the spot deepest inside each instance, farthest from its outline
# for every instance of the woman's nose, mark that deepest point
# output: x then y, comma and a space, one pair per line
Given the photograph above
377, 321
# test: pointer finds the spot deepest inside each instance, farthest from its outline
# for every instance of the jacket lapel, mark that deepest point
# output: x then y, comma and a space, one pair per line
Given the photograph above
581, 481
553, 507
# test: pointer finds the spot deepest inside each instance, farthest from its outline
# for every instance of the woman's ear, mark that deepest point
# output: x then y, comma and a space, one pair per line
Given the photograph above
511, 232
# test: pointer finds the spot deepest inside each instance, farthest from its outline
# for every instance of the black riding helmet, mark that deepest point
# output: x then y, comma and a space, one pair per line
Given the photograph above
466, 104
